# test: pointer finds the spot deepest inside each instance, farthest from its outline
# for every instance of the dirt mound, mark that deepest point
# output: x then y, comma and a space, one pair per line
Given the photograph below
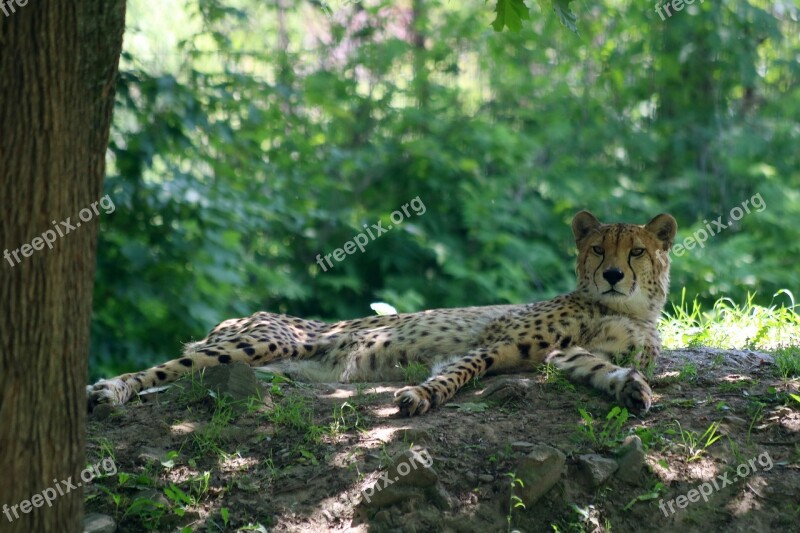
719, 451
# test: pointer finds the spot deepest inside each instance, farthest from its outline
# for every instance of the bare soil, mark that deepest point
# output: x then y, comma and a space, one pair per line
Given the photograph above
264, 465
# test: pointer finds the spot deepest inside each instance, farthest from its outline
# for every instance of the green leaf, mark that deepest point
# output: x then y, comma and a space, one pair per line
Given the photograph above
510, 14
565, 14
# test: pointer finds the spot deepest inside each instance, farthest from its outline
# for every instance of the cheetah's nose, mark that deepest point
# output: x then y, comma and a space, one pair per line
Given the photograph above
613, 275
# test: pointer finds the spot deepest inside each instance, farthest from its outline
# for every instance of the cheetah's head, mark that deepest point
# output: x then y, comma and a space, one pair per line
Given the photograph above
625, 266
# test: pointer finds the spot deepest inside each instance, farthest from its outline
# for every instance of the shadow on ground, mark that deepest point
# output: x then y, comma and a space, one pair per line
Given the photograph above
719, 451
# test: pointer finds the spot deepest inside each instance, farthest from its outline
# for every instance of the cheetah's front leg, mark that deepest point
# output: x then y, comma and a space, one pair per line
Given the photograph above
627, 385
445, 382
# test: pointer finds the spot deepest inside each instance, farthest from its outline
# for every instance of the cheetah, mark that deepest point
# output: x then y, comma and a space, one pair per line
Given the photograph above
591, 334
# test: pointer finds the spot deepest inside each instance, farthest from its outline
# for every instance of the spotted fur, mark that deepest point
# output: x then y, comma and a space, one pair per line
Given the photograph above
591, 334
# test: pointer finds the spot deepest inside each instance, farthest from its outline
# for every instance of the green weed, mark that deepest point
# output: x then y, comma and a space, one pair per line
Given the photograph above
729, 325
693, 445
514, 501
553, 376
787, 361
414, 372
611, 432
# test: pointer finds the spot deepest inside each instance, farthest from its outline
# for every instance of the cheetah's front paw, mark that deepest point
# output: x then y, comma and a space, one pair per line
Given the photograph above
412, 400
112, 391
635, 394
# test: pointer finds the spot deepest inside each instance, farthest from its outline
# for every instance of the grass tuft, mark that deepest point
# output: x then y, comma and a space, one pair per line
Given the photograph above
732, 326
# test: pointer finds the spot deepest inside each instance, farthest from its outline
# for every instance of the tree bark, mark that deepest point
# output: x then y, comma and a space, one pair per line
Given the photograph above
58, 67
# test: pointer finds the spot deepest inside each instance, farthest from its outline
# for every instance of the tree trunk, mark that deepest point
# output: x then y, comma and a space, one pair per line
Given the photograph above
58, 66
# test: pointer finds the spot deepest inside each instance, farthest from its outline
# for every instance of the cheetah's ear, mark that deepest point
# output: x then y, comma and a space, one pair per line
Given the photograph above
664, 227
583, 224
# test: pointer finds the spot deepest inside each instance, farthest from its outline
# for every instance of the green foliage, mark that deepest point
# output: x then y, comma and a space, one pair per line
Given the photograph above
514, 501
510, 14
730, 325
414, 372
565, 14
788, 362
610, 433
693, 445
248, 138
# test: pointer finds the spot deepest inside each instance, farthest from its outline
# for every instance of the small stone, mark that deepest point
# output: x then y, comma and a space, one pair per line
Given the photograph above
149, 455
522, 446
631, 460
413, 468
102, 411
379, 496
485, 478
539, 471
597, 468
98, 523
237, 380
383, 518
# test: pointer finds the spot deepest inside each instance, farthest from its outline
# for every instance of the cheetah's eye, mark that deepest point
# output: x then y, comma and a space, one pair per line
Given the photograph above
598, 250
636, 252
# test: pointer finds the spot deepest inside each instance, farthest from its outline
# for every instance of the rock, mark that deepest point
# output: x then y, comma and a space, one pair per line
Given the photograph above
438, 496
410, 479
631, 460
597, 468
98, 523
151, 499
413, 468
486, 478
237, 380
539, 471
379, 496
151, 455
382, 518
102, 411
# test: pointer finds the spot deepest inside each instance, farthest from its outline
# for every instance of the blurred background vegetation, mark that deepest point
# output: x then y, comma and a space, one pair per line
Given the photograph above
251, 136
